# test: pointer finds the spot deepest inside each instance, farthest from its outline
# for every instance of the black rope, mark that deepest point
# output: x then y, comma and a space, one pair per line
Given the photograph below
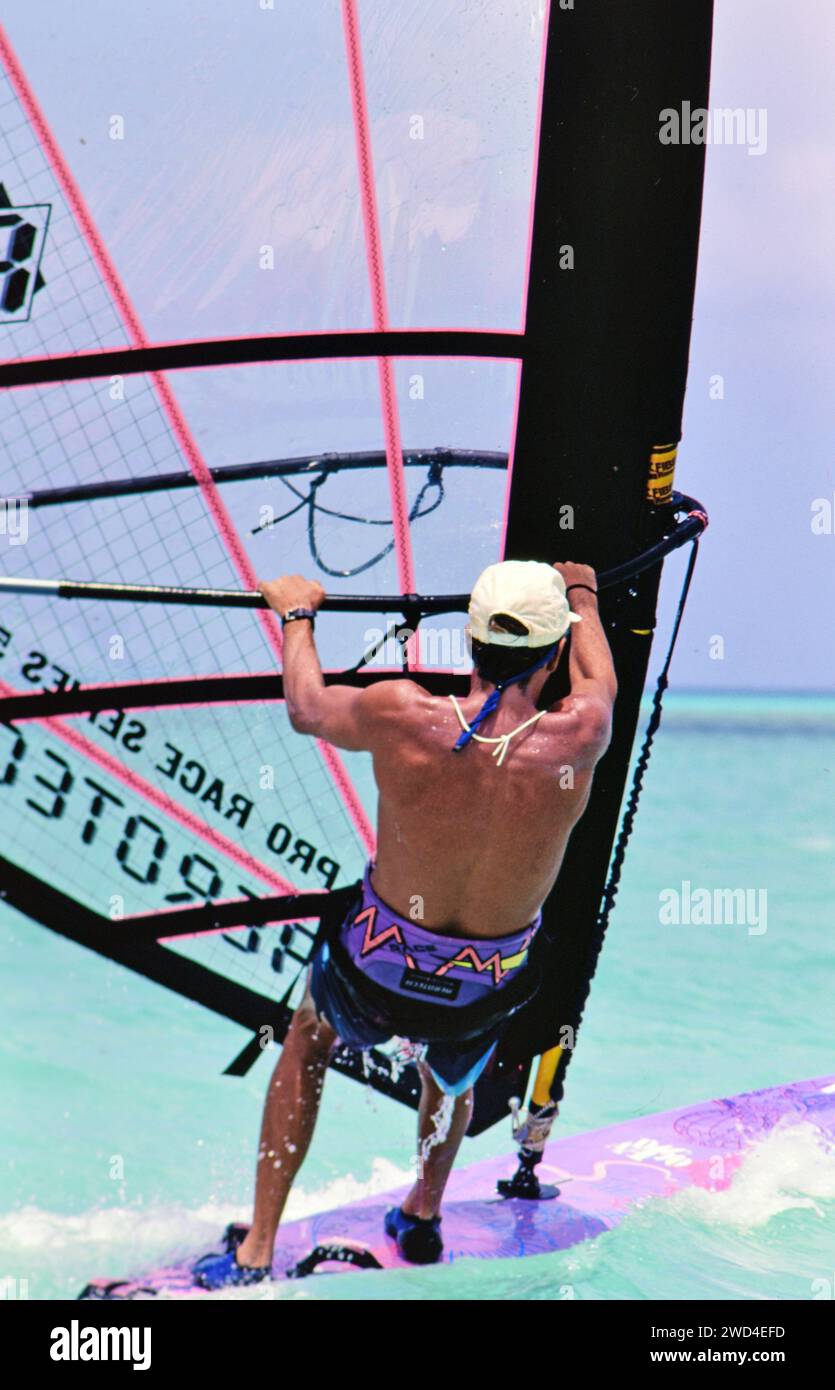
610, 891
434, 479
310, 500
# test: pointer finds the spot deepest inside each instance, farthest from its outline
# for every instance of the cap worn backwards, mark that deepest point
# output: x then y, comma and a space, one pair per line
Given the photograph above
534, 595
531, 592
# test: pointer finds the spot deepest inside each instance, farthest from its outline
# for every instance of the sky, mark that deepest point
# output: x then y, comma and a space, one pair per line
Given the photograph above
759, 446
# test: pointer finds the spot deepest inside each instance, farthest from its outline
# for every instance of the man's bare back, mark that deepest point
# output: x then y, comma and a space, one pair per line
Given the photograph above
465, 846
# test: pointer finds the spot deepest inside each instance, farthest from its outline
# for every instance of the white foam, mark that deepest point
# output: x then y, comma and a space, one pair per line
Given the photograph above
147, 1235
384, 1176
792, 1168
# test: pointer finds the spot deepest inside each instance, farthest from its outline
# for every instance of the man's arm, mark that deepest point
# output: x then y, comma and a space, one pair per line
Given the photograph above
591, 671
340, 714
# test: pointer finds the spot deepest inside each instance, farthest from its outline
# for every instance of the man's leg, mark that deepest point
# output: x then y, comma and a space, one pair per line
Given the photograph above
436, 1155
290, 1112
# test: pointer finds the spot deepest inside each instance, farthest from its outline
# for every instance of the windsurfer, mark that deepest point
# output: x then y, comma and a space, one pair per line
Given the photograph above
439, 942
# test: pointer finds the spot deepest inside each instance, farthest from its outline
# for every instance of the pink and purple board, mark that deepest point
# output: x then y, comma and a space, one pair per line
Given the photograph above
601, 1176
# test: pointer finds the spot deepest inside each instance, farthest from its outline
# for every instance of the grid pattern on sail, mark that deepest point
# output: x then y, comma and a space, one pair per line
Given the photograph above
97, 813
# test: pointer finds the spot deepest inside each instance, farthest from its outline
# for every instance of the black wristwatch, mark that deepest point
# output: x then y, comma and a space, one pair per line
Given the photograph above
293, 614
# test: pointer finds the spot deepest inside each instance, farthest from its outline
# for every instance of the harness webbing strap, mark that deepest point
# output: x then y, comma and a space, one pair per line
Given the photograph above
492, 701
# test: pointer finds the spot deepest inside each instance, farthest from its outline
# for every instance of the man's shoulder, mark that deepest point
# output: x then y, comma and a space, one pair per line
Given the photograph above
393, 707
383, 696
593, 715
585, 722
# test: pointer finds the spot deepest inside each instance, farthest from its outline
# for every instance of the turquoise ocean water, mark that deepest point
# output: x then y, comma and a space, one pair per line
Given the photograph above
123, 1143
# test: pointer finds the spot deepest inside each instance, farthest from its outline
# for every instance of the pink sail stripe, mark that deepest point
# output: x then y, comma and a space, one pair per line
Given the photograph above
266, 617
211, 495
511, 458
526, 284
527, 280
537, 145
160, 799
377, 284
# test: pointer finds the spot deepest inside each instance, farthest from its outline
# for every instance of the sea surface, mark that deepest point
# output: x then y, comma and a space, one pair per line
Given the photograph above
123, 1143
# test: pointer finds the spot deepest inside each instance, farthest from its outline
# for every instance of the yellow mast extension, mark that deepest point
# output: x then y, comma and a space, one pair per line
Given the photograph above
545, 1073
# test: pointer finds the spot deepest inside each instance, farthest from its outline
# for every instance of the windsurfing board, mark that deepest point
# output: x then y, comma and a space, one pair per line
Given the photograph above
601, 1176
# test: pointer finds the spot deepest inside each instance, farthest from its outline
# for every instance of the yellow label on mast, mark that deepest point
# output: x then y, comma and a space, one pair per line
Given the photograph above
662, 467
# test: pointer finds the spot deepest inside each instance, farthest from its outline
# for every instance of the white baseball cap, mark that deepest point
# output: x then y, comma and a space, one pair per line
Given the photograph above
531, 592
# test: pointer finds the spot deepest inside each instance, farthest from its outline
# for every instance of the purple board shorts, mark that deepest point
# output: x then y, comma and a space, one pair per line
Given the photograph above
411, 963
